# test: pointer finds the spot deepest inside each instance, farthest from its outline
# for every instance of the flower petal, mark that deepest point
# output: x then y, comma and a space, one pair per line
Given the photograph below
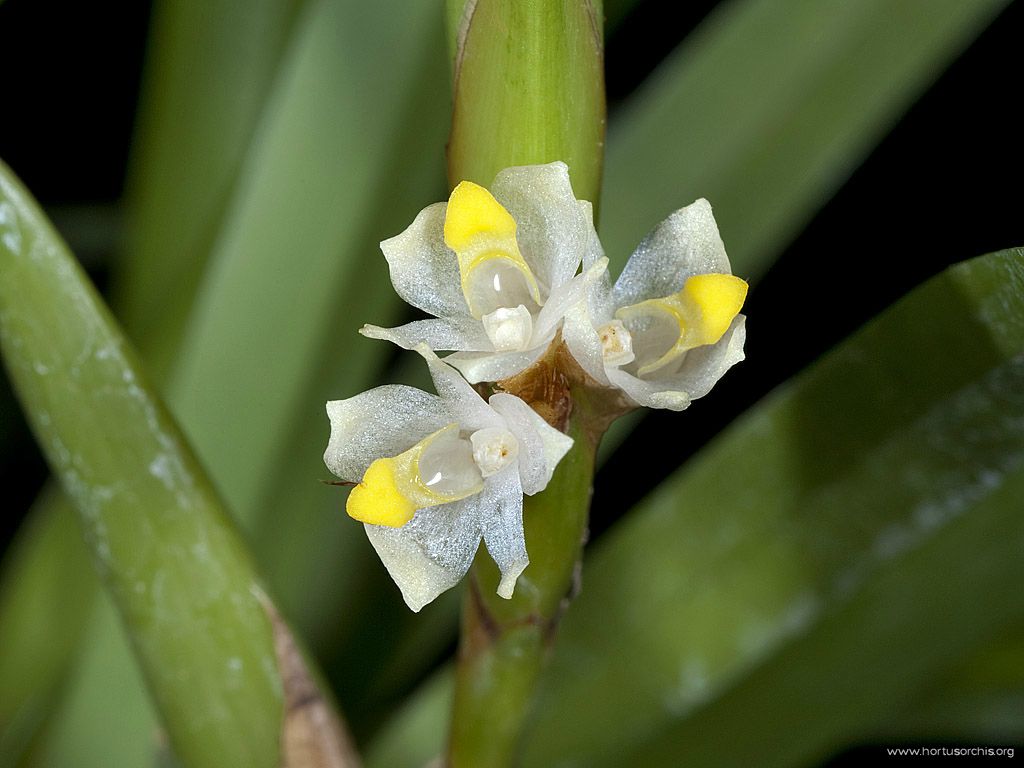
493, 366
563, 298
450, 333
425, 271
432, 552
595, 250
382, 422
464, 403
553, 229
541, 446
500, 509
579, 329
701, 370
687, 243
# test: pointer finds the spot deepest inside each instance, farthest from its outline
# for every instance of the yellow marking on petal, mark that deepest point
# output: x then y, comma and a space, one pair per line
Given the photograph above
703, 311
377, 500
719, 298
392, 489
483, 234
473, 213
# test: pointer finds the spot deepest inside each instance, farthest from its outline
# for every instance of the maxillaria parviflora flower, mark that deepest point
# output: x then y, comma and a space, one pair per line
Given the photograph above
496, 268
436, 473
669, 328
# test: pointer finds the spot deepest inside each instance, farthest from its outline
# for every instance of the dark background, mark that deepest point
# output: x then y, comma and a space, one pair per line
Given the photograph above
943, 186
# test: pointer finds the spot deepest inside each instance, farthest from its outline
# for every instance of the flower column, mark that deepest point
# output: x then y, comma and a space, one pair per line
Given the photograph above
529, 88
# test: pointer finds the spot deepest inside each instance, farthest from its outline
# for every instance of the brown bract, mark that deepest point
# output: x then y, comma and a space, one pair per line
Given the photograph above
555, 386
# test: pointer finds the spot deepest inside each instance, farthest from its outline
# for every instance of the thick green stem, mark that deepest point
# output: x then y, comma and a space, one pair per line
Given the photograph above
529, 88
504, 642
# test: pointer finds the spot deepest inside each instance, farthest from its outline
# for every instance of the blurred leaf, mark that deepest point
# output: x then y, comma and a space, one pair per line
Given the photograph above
316, 556
46, 593
209, 69
312, 140
106, 694
767, 108
423, 720
529, 88
807, 563
182, 581
981, 701
801, 576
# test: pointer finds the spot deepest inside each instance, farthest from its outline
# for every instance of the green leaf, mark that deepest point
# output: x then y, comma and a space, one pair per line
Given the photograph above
980, 701
808, 562
207, 77
177, 571
529, 88
766, 108
372, 168
46, 595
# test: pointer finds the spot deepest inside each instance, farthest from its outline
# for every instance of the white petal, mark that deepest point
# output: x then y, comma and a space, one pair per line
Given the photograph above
425, 271
563, 298
500, 506
595, 250
701, 370
579, 329
686, 243
382, 422
541, 446
432, 552
552, 229
494, 366
453, 333
463, 402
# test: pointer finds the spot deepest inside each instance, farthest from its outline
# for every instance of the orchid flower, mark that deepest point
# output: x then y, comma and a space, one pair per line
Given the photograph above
436, 473
497, 269
669, 328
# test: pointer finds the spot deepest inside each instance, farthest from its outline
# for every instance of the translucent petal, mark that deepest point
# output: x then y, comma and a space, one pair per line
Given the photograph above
437, 470
700, 371
664, 329
564, 297
432, 552
464, 403
494, 281
382, 422
687, 243
579, 328
594, 250
425, 271
500, 507
541, 446
493, 366
451, 333
553, 229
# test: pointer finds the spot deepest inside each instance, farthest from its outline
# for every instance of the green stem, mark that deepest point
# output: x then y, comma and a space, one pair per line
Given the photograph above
529, 88
504, 643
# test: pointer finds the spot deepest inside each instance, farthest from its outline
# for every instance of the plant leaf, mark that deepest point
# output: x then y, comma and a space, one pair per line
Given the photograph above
181, 579
798, 562
207, 81
794, 566
46, 594
765, 110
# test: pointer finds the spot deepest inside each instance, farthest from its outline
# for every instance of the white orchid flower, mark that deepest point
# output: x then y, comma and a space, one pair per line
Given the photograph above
496, 268
669, 328
436, 473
